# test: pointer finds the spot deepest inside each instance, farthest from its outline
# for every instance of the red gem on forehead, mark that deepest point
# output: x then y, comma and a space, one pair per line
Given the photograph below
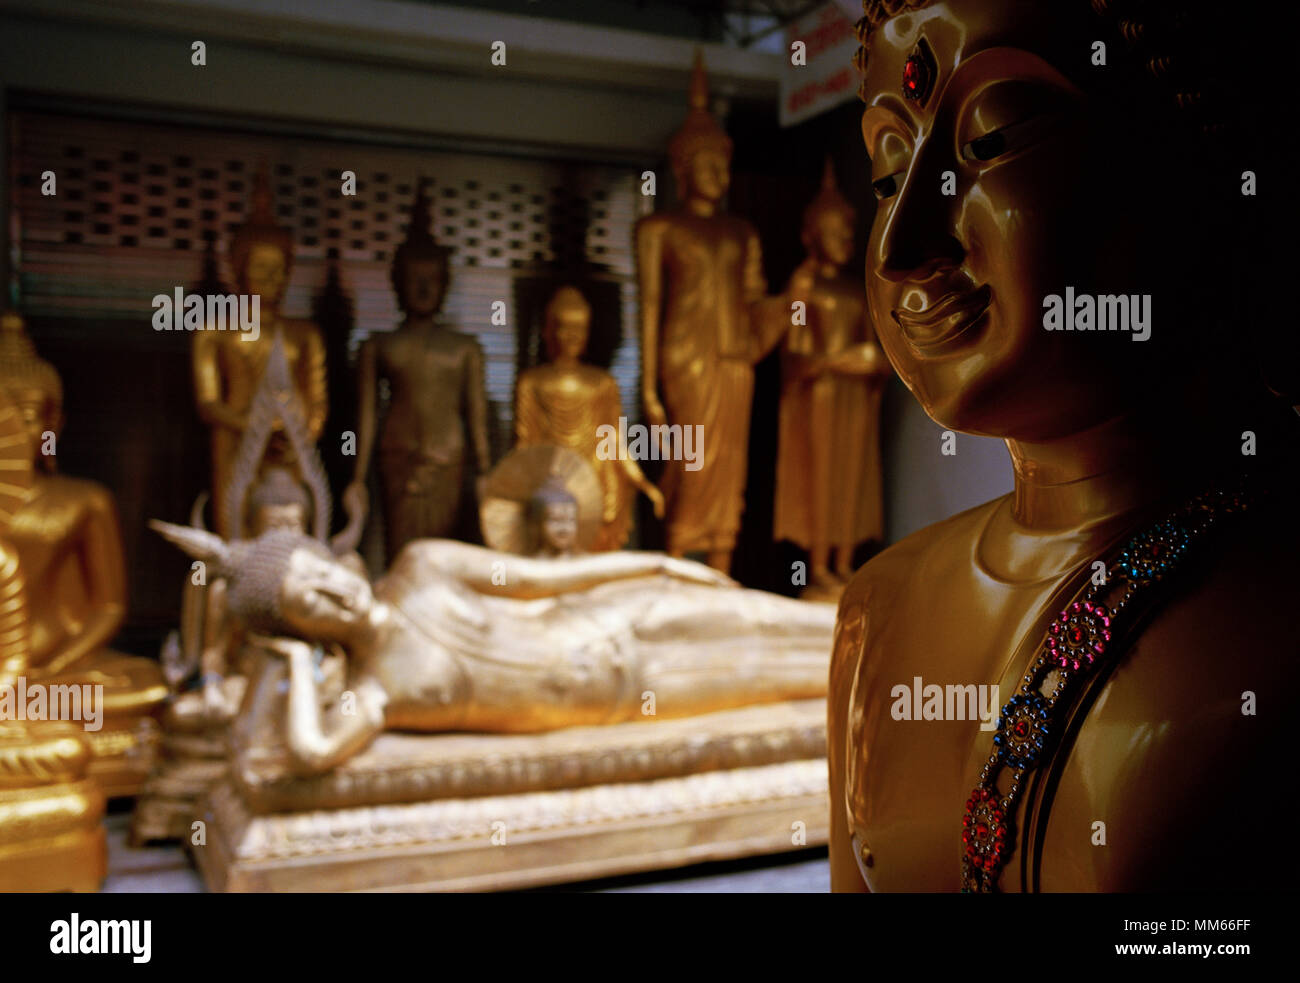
915, 77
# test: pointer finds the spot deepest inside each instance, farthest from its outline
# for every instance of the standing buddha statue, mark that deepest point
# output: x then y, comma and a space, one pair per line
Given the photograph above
436, 399
66, 535
566, 403
832, 375
228, 364
703, 327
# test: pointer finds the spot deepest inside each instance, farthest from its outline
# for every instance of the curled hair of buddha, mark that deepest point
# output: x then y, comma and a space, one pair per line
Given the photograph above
253, 569
700, 131
259, 228
565, 299
278, 486
420, 242
255, 573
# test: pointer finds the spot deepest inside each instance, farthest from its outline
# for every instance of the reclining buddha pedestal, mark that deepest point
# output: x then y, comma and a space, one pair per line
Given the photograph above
485, 720
474, 812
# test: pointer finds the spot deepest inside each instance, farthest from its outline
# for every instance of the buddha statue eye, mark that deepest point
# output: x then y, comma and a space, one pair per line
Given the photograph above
886, 187
987, 147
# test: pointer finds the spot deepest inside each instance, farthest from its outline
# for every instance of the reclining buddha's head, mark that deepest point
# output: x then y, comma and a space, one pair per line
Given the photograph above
1022, 149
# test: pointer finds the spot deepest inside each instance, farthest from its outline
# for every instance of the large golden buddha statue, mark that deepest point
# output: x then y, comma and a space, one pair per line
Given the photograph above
566, 403
436, 405
703, 327
228, 364
832, 375
1120, 612
66, 535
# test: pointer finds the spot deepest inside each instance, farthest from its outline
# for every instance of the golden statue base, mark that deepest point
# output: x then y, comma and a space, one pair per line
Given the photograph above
122, 755
168, 804
571, 805
52, 839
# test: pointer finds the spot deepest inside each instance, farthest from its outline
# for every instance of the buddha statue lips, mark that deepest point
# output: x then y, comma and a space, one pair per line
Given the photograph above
441, 644
995, 165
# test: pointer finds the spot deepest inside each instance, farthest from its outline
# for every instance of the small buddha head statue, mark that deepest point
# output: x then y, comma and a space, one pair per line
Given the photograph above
828, 222
278, 501
567, 325
31, 384
700, 152
1038, 166
553, 519
261, 252
420, 264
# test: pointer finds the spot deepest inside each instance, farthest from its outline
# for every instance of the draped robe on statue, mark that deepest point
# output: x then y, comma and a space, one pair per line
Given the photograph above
708, 345
828, 481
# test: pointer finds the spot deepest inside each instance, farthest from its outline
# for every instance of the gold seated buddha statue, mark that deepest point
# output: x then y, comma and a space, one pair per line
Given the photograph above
65, 531
50, 833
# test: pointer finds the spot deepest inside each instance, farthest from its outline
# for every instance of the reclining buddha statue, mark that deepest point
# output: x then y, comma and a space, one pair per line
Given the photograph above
464, 638
1129, 606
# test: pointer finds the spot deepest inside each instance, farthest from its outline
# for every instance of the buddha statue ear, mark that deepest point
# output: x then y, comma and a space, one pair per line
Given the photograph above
197, 543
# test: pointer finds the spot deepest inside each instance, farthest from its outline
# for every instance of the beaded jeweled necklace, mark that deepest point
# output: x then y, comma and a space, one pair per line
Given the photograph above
1086, 634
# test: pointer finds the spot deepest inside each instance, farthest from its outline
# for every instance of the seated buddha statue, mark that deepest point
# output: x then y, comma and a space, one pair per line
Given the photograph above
65, 532
50, 833
228, 365
463, 638
1126, 604
567, 403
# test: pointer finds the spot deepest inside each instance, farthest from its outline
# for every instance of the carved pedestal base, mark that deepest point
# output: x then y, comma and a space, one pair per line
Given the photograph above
51, 838
122, 755
513, 841
168, 804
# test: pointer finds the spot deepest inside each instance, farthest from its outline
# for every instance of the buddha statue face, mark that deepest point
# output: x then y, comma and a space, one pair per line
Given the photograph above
568, 325
423, 284
321, 597
288, 516
831, 237
266, 272
38, 410
1051, 192
558, 528
707, 174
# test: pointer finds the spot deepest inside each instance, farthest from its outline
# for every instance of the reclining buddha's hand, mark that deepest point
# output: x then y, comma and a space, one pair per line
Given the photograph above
696, 573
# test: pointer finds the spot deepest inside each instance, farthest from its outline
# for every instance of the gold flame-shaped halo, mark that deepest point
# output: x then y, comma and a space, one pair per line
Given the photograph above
505, 492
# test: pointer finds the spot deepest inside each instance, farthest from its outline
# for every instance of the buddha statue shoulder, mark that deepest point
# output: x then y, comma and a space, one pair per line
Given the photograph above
567, 403
1057, 691
437, 405
228, 365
